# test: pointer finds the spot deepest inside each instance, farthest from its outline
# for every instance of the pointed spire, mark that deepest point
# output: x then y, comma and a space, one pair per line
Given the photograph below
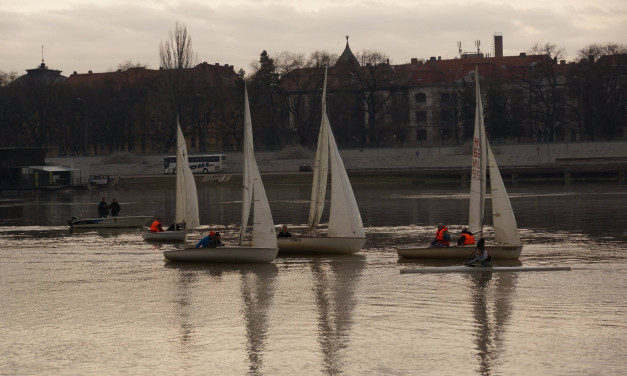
43, 65
347, 58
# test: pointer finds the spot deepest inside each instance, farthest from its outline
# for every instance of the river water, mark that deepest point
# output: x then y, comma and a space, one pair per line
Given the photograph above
106, 303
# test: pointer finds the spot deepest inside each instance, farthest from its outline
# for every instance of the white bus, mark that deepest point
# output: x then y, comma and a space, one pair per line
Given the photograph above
199, 163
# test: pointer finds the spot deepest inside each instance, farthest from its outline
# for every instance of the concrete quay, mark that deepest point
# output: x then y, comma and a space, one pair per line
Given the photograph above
516, 161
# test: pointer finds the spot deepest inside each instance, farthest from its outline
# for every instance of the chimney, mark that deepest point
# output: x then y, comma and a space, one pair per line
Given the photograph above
414, 61
439, 57
432, 58
498, 45
591, 58
522, 54
89, 72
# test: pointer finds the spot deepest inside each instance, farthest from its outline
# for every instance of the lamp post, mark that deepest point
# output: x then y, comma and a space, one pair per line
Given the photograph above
85, 105
204, 131
580, 104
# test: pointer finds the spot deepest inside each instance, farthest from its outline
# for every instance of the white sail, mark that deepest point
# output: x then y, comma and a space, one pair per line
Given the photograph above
504, 222
247, 180
263, 226
344, 218
478, 169
321, 168
253, 191
186, 195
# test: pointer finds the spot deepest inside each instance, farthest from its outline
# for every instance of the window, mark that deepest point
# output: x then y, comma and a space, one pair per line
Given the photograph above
421, 98
421, 135
421, 116
445, 116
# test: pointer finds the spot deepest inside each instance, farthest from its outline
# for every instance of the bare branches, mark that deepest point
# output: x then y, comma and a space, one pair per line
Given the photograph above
177, 52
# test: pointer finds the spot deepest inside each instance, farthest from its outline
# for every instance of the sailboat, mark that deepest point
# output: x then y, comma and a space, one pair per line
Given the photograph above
263, 246
504, 222
186, 196
345, 233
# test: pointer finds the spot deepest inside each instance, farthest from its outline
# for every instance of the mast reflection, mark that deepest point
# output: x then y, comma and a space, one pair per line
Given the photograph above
335, 281
492, 295
257, 285
257, 288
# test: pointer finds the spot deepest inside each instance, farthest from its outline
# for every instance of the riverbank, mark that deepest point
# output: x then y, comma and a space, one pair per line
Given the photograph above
604, 160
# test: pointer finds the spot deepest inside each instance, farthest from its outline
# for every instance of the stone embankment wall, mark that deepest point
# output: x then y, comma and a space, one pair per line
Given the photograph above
415, 158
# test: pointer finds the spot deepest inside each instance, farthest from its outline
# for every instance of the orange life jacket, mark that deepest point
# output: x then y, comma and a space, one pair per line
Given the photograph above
439, 236
468, 239
156, 227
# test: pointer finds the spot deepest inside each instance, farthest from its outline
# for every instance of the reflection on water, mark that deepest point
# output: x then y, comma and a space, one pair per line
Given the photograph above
257, 289
491, 297
257, 284
335, 280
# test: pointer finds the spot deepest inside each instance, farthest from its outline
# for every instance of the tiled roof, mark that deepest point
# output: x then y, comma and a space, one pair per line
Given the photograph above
220, 76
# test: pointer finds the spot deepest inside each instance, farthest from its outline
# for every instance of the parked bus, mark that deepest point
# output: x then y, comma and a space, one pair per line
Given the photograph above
199, 163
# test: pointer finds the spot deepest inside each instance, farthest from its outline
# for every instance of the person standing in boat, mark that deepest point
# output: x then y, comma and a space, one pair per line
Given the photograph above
465, 238
284, 233
103, 208
442, 237
115, 207
481, 255
156, 225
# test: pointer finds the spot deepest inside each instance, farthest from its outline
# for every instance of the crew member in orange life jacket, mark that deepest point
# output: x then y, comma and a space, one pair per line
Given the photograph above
442, 237
156, 226
466, 238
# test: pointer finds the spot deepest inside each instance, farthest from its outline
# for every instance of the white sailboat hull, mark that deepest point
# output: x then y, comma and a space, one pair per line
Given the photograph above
110, 222
498, 252
223, 254
322, 245
165, 236
485, 269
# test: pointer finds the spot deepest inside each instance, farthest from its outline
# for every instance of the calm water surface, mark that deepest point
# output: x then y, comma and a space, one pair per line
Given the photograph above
105, 302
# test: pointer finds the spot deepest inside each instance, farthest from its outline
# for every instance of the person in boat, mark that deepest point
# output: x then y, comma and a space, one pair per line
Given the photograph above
217, 241
284, 233
465, 238
103, 208
174, 227
481, 255
115, 208
156, 225
442, 237
206, 241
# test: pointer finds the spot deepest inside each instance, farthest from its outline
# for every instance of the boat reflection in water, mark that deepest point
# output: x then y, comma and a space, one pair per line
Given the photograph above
491, 300
257, 289
335, 279
257, 285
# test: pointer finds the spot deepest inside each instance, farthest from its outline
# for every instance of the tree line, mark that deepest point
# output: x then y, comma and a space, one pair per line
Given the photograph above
369, 108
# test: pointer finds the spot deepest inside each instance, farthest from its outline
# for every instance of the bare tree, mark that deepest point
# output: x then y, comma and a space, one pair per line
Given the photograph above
378, 83
177, 52
7, 77
596, 51
598, 83
546, 97
321, 58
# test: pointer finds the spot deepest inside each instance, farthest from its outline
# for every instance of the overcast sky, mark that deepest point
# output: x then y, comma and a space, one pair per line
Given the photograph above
98, 35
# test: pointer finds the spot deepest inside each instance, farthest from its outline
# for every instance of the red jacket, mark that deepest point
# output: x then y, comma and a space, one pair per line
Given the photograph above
156, 226
468, 239
439, 236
